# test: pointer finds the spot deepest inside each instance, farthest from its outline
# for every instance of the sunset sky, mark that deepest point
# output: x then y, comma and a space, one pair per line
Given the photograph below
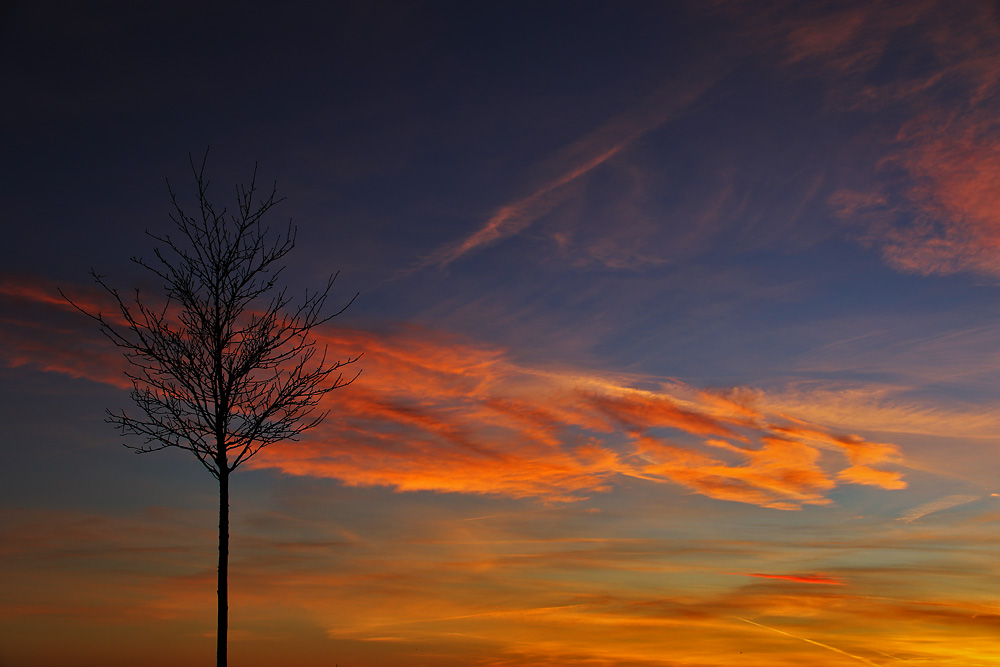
679, 321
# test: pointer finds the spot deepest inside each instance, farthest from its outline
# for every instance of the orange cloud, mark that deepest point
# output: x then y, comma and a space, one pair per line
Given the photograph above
781, 474
435, 412
41, 329
860, 452
638, 411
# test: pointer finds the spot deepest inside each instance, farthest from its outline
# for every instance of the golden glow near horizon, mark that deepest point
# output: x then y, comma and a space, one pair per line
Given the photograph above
585, 559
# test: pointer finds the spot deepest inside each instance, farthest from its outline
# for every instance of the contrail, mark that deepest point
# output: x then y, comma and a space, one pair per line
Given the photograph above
826, 646
936, 506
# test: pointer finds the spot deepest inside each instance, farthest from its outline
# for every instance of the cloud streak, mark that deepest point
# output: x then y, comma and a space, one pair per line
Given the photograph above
812, 641
938, 505
568, 167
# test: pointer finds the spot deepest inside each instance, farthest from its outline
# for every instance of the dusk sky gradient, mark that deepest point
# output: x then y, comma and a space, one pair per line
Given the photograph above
679, 325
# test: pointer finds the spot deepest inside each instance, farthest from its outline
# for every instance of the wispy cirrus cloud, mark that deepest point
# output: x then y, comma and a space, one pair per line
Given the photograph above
928, 200
870, 57
565, 170
954, 168
889, 408
876, 54
947, 218
935, 207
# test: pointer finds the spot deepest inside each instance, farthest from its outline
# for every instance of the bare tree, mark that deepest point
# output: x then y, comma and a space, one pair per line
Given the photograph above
225, 365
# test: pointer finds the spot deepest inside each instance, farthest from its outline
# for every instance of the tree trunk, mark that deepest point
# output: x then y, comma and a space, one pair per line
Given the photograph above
223, 630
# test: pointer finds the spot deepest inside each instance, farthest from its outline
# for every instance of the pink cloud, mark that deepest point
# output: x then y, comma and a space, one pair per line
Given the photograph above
937, 209
955, 173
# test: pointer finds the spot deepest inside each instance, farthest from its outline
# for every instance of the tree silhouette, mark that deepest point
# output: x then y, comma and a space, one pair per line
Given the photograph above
225, 365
